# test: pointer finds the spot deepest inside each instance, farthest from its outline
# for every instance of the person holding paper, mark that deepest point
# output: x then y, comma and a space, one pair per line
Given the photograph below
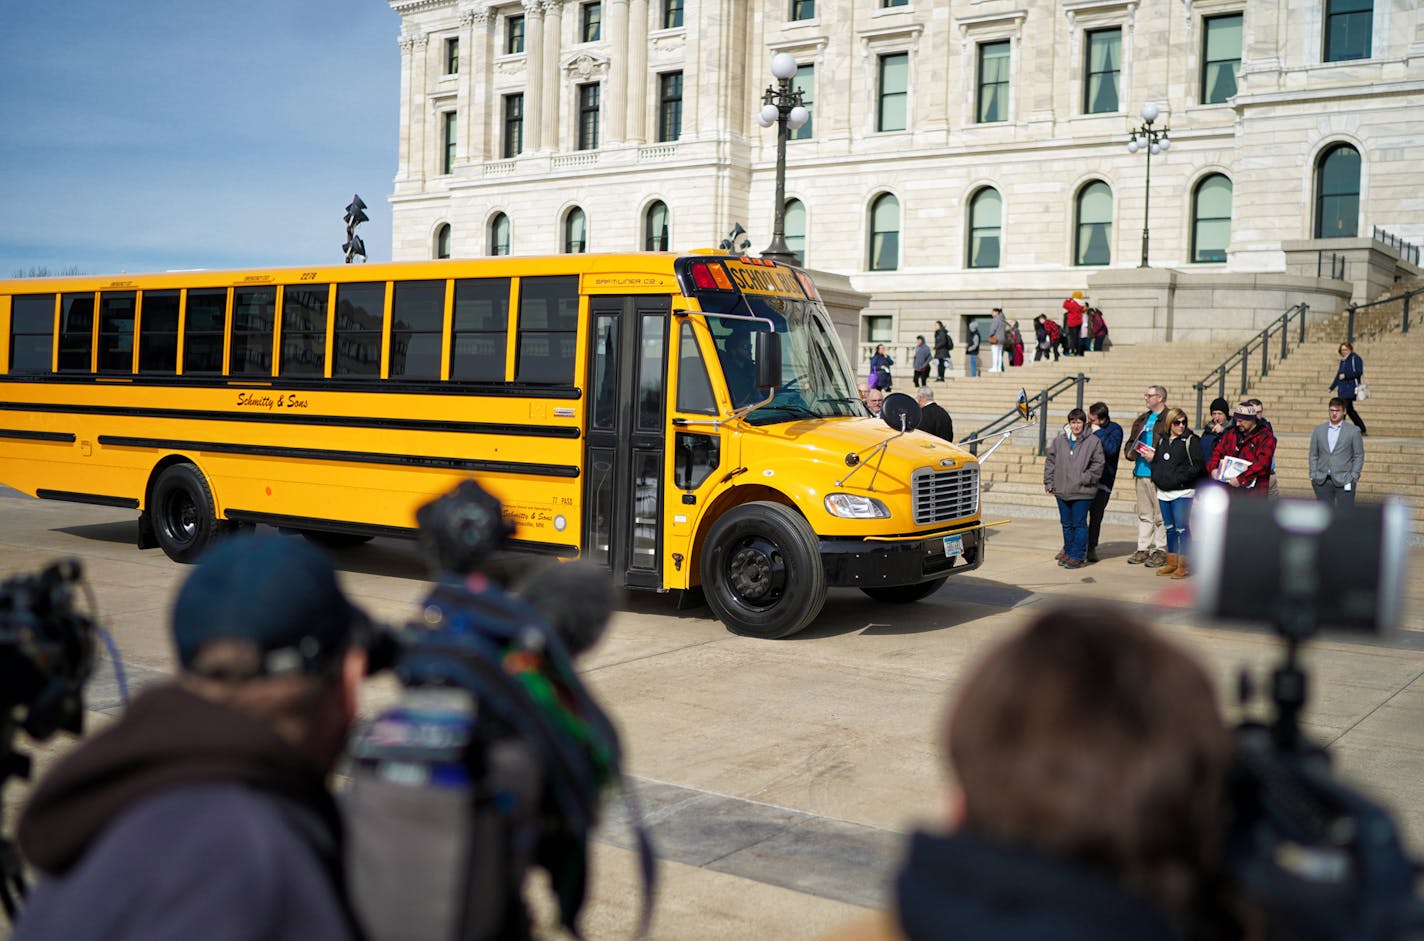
1243, 454
1140, 448
1337, 456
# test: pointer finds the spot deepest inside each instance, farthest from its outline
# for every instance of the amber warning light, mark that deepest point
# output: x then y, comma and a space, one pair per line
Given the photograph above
710, 277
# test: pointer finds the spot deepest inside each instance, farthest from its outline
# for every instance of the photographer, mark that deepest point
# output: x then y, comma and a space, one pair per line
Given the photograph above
204, 811
1089, 760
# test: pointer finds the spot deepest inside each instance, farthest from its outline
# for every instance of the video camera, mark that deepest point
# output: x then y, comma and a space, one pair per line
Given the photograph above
1317, 859
495, 759
46, 655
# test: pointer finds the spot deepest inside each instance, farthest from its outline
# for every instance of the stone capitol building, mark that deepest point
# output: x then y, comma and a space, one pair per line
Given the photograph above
960, 154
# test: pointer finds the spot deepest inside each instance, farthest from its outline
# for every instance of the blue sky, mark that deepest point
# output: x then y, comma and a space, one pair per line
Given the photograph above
146, 135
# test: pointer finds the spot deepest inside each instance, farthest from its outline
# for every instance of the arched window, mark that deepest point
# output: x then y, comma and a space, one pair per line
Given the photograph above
1093, 241
499, 234
655, 227
986, 209
1337, 193
1211, 218
442, 241
793, 228
885, 233
575, 232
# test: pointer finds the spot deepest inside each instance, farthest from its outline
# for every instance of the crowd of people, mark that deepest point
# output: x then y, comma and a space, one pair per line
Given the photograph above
1082, 329
1171, 461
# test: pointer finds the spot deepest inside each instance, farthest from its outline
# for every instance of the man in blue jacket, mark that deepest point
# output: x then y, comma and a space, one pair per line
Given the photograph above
204, 812
1109, 433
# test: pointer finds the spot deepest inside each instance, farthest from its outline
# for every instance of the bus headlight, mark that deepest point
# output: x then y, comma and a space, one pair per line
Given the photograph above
854, 506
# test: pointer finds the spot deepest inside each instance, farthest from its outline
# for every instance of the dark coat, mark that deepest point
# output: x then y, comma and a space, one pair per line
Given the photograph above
942, 345
1111, 437
935, 420
185, 819
1353, 369
1178, 463
956, 888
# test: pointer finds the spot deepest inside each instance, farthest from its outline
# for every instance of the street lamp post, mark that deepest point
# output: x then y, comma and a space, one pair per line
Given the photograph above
1154, 141
781, 105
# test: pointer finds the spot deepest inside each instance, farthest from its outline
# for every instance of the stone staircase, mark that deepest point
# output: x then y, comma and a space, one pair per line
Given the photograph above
1295, 394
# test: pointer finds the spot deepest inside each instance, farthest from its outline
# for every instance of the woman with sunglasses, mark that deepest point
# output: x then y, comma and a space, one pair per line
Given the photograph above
1176, 467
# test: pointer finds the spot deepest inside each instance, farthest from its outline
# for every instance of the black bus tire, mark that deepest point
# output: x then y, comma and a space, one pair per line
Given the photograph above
905, 594
762, 572
183, 512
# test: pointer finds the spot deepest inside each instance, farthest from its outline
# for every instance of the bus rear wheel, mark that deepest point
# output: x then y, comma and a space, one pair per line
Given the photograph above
762, 572
184, 516
905, 594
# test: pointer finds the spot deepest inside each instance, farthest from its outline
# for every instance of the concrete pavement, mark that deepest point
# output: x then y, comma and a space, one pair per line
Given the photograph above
779, 777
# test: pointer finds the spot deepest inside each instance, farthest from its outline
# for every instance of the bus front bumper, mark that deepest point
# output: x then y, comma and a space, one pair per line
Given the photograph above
860, 563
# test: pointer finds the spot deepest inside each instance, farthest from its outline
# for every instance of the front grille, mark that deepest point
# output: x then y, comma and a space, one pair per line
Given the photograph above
941, 496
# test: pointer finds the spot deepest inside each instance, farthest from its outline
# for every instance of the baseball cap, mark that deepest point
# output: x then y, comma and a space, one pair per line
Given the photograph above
1247, 410
278, 593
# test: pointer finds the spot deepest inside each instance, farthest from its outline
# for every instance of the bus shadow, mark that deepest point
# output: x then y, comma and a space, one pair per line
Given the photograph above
961, 601
123, 532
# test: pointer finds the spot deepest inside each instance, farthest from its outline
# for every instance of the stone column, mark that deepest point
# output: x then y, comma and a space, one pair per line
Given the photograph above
549, 103
637, 68
474, 83
533, 74
616, 94
406, 160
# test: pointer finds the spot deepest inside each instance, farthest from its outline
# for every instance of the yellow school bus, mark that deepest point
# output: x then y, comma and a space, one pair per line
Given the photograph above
689, 421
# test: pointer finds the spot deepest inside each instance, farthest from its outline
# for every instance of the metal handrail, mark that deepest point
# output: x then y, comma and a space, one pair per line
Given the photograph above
1042, 397
1353, 308
1261, 341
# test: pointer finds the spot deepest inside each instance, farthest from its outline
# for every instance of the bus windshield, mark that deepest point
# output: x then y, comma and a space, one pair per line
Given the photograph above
816, 380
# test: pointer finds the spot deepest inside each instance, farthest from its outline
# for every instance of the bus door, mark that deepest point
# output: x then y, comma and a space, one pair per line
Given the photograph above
623, 491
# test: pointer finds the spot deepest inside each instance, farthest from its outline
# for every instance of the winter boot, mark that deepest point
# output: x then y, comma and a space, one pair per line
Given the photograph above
1182, 570
1170, 566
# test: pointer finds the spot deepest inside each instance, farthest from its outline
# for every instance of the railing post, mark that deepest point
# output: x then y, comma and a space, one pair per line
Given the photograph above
1350, 329
1285, 335
1198, 387
1319, 260
1407, 296
1245, 360
1221, 381
1304, 310
1080, 381
1043, 423
1265, 352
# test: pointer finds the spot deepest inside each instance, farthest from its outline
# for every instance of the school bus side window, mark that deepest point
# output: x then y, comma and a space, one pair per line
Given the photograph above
548, 329
303, 330
254, 313
481, 330
31, 333
204, 322
116, 331
158, 332
694, 386
356, 349
417, 323
696, 457
76, 333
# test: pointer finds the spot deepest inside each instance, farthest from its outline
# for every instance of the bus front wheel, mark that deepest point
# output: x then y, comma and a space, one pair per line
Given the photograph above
761, 571
184, 515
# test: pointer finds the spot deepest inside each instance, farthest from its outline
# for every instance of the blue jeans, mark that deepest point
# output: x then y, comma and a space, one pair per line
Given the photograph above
971, 364
1073, 514
1175, 515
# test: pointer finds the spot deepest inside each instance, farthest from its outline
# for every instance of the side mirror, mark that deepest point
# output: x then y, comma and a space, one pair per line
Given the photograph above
900, 411
768, 360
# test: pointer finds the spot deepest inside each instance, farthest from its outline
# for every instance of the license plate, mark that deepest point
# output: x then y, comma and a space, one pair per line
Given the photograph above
954, 545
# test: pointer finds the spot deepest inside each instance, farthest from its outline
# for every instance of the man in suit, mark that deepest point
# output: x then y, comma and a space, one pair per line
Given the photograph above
933, 418
1337, 455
